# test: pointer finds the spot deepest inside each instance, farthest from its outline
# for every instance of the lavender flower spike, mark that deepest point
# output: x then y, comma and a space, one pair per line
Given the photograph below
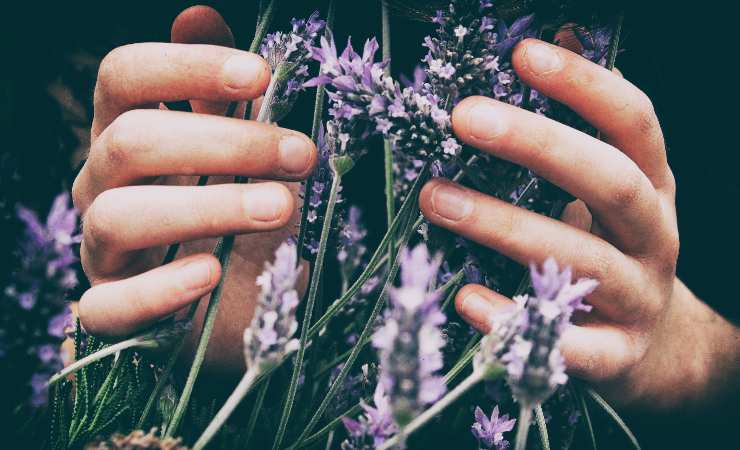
362, 94
409, 342
490, 431
270, 335
288, 55
526, 339
373, 427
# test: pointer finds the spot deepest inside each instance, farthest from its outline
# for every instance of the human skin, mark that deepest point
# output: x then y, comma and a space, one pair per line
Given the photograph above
649, 342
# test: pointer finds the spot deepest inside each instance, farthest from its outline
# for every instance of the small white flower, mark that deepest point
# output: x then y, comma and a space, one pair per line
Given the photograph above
461, 31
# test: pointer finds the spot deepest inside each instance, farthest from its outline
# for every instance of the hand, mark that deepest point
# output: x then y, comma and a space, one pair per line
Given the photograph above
648, 341
137, 189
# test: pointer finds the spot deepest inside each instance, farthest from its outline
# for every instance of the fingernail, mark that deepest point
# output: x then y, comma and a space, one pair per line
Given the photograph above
451, 202
485, 121
241, 71
264, 203
477, 309
541, 59
294, 153
196, 275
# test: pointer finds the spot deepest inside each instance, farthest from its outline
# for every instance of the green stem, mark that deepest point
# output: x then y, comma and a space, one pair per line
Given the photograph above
256, 411
542, 427
136, 341
387, 147
522, 428
223, 414
435, 409
310, 303
225, 247
451, 283
578, 391
164, 376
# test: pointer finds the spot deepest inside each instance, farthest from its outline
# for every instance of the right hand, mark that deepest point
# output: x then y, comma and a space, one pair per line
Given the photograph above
137, 190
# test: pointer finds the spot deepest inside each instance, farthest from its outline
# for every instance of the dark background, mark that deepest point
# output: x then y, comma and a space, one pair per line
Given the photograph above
683, 56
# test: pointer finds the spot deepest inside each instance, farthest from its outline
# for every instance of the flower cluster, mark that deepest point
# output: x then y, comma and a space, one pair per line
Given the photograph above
410, 340
373, 427
316, 201
490, 431
270, 335
39, 319
288, 55
365, 101
526, 340
595, 43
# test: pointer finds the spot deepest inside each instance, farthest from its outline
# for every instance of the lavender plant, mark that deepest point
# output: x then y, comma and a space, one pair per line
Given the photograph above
468, 54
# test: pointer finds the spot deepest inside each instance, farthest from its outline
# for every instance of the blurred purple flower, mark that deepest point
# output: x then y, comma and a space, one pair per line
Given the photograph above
269, 337
410, 340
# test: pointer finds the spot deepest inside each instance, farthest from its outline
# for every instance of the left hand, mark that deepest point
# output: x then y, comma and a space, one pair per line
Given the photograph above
622, 231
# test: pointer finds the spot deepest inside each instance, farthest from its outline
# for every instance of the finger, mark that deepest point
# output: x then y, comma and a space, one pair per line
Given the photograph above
142, 144
622, 112
610, 183
111, 232
593, 352
527, 237
122, 307
144, 74
202, 25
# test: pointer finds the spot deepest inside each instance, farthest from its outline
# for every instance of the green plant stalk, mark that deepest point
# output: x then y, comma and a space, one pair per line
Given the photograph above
136, 341
542, 427
387, 146
435, 409
522, 427
450, 285
227, 244
578, 391
614, 416
310, 303
223, 414
154, 395
364, 336
256, 410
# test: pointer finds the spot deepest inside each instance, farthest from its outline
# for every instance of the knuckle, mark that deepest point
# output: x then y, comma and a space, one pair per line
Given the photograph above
99, 225
645, 119
628, 190
109, 70
116, 141
601, 264
78, 199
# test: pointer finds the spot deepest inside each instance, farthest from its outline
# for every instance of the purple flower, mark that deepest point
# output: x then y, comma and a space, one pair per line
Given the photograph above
372, 428
595, 43
490, 431
270, 335
328, 141
365, 101
410, 340
526, 339
288, 55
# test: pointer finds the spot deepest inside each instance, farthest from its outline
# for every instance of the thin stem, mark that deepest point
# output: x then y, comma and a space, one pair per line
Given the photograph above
387, 146
256, 411
136, 341
451, 283
223, 414
578, 391
310, 303
435, 409
542, 427
227, 244
611, 56
522, 429
164, 376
